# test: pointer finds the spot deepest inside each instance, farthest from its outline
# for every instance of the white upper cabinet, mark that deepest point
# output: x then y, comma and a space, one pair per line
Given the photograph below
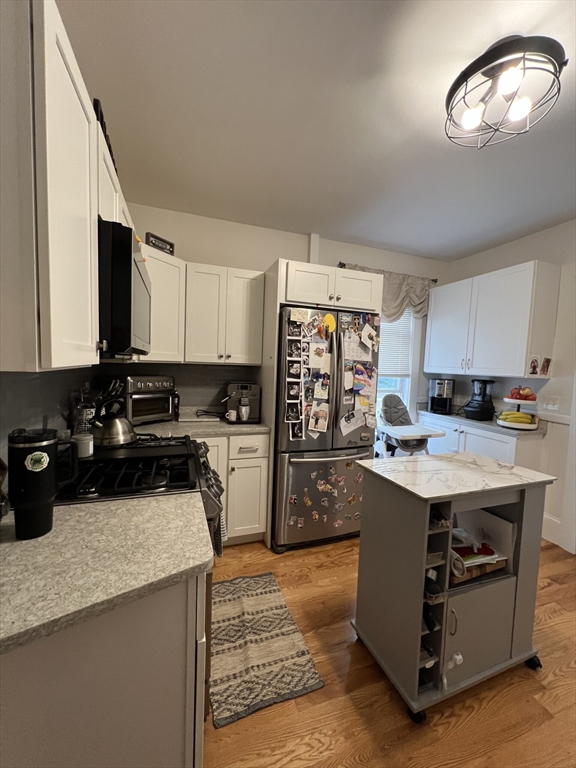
331, 287
447, 329
358, 290
510, 327
168, 278
244, 316
205, 313
224, 315
123, 212
310, 284
66, 189
109, 190
50, 272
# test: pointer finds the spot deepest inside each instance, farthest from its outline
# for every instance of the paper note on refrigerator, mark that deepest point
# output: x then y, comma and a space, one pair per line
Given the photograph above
348, 377
369, 337
326, 362
299, 315
351, 421
354, 349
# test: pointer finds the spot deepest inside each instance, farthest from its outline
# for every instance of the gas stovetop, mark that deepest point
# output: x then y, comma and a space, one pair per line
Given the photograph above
152, 465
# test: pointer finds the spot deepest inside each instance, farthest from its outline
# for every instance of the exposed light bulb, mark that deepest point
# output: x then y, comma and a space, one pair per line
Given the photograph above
519, 109
510, 80
472, 117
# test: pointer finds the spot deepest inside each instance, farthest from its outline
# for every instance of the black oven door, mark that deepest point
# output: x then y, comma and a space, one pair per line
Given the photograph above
146, 409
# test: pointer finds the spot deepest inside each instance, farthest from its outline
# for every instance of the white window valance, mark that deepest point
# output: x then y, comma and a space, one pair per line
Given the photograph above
401, 292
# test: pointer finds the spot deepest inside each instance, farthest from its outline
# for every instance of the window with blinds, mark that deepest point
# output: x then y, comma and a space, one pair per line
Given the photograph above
395, 358
395, 353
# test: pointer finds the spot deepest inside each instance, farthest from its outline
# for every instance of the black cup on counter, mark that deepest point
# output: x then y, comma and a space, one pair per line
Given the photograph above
34, 469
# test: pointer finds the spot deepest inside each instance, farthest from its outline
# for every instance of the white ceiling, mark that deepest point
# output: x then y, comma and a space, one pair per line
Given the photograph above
325, 116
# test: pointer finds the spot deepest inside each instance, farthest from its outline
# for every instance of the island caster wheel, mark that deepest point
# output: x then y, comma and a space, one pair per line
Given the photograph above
417, 717
278, 550
533, 663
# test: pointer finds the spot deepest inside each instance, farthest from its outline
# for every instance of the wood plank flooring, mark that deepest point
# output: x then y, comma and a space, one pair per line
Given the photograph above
519, 719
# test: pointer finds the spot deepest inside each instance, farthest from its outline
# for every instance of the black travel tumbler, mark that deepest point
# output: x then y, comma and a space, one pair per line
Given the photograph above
33, 478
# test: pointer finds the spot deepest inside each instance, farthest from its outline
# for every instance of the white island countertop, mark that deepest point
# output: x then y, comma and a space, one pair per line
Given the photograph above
452, 474
98, 556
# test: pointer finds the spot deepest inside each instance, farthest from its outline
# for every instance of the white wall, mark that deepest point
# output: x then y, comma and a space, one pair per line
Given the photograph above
556, 245
332, 251
214, 241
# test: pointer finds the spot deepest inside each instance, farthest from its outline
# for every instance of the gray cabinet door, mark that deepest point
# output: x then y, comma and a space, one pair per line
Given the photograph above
479, 627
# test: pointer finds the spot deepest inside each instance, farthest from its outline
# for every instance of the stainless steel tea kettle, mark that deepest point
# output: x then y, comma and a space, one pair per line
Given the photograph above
111, 427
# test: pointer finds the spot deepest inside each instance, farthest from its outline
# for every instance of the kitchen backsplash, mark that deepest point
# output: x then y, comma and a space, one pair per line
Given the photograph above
463, 387
196, 384
26, 397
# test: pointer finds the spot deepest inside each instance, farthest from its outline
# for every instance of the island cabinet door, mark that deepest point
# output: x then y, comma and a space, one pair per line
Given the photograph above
479, 629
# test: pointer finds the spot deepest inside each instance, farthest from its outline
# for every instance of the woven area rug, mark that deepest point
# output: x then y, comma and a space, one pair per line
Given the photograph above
259, 656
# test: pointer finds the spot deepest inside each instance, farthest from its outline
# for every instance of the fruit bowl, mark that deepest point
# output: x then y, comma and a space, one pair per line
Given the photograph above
518, 401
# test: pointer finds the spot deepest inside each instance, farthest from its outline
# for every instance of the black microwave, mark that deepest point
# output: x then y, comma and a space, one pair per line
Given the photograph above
124, 293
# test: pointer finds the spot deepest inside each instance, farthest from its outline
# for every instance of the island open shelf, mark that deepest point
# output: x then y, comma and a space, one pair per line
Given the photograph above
433, 646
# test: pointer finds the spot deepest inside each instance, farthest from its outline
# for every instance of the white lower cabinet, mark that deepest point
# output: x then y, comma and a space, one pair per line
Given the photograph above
247, 493
242, 464
461, 437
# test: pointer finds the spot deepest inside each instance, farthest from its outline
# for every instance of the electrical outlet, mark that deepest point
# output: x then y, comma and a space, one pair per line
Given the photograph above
551, 403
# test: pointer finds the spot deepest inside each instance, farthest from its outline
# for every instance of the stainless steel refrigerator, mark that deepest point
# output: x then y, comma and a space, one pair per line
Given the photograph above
326, 419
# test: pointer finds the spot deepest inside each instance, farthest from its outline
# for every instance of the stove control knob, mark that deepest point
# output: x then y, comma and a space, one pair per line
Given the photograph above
157, 385
139, 385
149, 385
166, 385
203, 450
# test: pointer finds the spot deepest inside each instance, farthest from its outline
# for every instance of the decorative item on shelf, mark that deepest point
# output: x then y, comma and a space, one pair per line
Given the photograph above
160, 243
505, 91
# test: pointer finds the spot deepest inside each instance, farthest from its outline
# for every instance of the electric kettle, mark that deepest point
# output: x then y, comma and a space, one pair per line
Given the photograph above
35, 478
110, 427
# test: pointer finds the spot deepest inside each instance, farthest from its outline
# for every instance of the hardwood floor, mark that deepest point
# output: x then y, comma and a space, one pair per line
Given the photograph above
518, 719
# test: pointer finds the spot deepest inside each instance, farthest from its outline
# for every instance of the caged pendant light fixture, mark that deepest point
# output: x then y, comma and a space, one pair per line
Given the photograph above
504, 92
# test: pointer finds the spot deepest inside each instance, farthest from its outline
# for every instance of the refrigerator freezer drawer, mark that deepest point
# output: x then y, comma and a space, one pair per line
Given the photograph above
318, 496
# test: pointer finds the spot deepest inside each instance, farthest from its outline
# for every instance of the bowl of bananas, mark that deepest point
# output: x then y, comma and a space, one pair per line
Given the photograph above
517, 420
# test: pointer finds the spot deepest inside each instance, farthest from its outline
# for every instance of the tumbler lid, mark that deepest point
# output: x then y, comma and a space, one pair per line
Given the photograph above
24, 438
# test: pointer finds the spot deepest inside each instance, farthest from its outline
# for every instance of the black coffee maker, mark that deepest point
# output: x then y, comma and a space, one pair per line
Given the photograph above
34, 467
480, 406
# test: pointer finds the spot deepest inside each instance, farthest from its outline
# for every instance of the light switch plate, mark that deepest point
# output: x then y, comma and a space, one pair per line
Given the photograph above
551, 403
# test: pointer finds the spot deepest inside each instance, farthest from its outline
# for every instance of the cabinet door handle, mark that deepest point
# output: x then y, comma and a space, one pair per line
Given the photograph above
228, 357
338, 298
248, 447
455, 625
220, 357
331, 297
232, 469
468, 362
462, 364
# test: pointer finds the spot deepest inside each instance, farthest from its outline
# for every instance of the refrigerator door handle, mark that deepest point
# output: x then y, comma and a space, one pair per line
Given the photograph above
331, 459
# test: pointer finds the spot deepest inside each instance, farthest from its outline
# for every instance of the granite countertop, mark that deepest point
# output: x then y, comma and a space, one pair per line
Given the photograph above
98, 556
452, 474
190, 424
492, 426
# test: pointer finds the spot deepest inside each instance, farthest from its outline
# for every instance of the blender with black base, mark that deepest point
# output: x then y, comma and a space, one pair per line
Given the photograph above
480, 407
